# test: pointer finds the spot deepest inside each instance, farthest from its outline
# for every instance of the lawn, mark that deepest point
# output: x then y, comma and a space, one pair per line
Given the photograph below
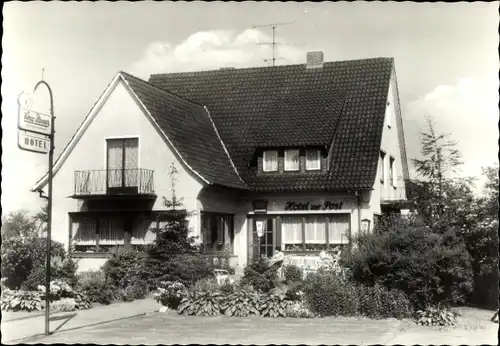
473, 327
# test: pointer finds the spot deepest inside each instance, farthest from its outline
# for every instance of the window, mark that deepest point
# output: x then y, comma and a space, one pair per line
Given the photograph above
291, 230
312, 234
313, 160
270, 161
382, 167
97, 233
338, 227
217, 231
315, 229
392, 172
292, 160
122, 162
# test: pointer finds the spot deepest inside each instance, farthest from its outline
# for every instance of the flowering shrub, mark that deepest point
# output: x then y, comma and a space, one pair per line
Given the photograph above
21, 301
299, 310
63, 305
58, 288
170, 294
436, 316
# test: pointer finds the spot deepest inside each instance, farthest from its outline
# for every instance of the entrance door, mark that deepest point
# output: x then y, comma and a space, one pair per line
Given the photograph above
266, 244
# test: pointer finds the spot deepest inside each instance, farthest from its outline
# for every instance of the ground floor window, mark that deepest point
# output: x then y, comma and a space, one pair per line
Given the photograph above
102, 232
217, 232
314, 232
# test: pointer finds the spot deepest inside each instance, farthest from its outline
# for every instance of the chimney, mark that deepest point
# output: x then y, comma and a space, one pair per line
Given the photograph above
314, 59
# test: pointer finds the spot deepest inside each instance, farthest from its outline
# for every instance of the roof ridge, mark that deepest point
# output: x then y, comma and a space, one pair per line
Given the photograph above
160, 89
264, 67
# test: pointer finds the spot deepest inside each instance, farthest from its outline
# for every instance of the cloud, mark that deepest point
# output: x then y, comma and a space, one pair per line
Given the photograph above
468, 111
208, 50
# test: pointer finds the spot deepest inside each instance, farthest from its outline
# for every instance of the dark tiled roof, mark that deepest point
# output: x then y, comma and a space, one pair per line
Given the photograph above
188, 126
341, 104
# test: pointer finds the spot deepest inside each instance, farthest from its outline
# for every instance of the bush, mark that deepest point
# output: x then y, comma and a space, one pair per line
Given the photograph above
135, 290
124, 267
21, 301
201, 303
82, 301
273, 304
259, 275
436, 316
170, 294
428, 267
94, 285
328, 294
242, 302
20, 256
293, 273
186, 269
61, 269
65, 304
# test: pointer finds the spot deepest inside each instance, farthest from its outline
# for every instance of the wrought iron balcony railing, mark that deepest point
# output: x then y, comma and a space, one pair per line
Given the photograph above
114, 181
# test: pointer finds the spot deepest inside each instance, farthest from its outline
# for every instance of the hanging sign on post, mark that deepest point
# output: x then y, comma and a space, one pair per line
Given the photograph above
34, 128
34, 142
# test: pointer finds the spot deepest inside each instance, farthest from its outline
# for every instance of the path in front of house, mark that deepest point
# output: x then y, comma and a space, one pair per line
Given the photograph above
14, 330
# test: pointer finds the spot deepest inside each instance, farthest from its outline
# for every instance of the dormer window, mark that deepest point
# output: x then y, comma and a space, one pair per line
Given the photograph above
292, 160
313, 160
270, 161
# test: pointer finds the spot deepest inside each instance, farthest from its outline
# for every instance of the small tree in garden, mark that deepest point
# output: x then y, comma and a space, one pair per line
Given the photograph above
439, 157
173, 255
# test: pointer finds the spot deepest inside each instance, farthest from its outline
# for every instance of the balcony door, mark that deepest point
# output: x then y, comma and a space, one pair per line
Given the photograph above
122, 165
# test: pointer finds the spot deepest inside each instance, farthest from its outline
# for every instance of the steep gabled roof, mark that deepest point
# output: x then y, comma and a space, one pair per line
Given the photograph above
340, 105
185, 125
191, 131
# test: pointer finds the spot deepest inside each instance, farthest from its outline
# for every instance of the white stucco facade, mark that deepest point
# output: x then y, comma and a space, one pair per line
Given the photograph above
118, 114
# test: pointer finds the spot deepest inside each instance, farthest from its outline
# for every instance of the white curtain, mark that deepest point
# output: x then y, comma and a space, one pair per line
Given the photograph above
111, 231
270, 161
291, 160
315, 229
142, 232
313, 159
131, 161
291, 227
115, 162
338, 228
84, 232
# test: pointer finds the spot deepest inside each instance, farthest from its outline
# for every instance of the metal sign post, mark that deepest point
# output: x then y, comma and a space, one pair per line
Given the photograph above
36, 134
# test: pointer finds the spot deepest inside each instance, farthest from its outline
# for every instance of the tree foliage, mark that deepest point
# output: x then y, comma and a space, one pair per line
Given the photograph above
18, 224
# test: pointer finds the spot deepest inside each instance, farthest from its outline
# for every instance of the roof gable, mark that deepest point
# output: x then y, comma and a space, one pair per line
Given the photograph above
186, 126
341, 105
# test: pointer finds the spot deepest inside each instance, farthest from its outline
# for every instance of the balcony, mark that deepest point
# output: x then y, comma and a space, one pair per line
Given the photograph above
136, 182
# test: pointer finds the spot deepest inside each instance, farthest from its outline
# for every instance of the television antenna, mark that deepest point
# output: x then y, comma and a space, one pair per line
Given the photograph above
273, 43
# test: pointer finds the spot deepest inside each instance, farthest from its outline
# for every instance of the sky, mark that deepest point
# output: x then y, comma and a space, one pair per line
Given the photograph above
445, 54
